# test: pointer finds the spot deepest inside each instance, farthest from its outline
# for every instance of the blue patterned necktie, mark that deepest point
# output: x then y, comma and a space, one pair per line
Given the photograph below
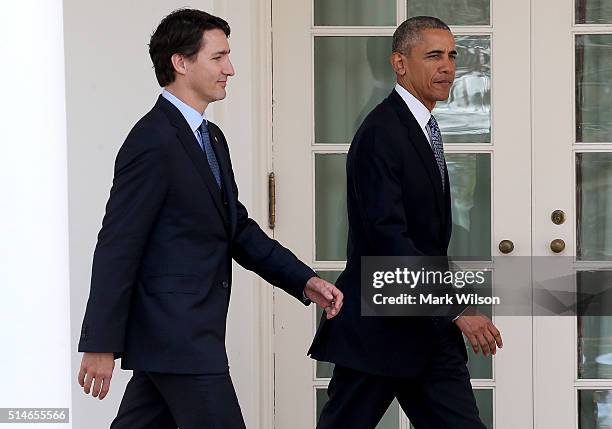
437, 146
210, 153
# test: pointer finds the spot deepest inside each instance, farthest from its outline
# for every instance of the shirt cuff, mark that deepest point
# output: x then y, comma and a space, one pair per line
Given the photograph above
459, 315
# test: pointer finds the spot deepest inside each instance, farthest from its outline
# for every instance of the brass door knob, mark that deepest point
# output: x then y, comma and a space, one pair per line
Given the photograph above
506, 246
557, 245
558, 217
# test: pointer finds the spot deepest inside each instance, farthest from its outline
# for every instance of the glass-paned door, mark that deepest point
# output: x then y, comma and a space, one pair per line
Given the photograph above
573, 143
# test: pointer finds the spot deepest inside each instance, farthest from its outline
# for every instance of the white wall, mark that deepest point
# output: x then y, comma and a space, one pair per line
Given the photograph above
33, 209
110, 84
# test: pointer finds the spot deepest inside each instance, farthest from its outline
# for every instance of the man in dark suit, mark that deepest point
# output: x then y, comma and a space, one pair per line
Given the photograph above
399, 205
161, 276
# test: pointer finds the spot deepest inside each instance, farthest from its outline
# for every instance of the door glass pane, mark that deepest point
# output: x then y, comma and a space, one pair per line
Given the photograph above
595, 347
595, 409
481, 367
593, 93
324, 369
595, 325
484, 400
593, 12
593, 214
354, 12
352, 75
453, 12
331, 223
470, 178
390, 420
466, 116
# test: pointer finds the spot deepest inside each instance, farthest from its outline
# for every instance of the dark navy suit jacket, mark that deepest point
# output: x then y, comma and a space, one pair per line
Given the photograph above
396, 207
161, 276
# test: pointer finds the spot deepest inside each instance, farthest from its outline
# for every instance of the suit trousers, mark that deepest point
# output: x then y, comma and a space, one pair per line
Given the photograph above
189, 401
441, 397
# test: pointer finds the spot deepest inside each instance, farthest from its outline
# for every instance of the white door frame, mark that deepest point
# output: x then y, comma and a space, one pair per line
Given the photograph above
251, 44
553, 50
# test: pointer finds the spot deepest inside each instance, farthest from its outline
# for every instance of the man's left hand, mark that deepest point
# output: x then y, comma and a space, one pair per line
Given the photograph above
325, 295
480, 332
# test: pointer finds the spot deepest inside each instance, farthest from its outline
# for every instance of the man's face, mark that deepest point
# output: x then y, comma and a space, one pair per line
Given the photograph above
428, 70
208, 70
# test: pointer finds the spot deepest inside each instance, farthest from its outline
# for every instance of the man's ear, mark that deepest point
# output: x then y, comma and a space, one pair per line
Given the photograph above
398, 63
179, 63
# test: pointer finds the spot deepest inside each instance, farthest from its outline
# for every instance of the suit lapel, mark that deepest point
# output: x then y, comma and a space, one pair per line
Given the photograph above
194, 151
422, 146
448, 210
225, 166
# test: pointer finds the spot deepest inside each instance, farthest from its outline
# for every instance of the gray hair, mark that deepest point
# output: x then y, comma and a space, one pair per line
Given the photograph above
409, 32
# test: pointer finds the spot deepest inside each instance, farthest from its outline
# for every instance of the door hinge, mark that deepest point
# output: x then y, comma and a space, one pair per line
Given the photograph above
271, 200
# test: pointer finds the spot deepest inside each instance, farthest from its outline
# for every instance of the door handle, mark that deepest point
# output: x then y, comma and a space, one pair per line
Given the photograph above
558, 217
506, 246
557, 245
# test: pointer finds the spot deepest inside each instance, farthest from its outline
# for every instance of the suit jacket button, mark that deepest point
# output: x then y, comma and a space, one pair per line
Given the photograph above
224, 284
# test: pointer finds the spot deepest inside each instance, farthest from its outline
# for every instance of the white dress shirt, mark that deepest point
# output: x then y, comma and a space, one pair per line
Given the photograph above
418, 109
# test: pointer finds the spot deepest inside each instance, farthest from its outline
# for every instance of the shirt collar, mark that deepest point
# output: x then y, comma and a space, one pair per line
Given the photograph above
192, 116
418, 109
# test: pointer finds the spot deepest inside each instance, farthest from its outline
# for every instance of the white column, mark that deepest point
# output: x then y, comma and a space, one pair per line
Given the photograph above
34, 277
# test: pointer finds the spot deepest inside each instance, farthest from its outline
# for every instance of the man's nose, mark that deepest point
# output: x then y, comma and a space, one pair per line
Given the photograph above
228, 70
447, 65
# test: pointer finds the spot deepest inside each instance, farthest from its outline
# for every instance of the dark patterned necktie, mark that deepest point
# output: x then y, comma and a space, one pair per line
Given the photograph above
210, 153
437, 146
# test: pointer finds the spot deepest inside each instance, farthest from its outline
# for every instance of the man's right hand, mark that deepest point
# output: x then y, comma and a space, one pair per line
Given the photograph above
98, 367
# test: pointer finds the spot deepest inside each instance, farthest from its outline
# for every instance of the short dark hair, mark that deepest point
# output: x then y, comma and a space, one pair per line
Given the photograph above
180, 33
409, 32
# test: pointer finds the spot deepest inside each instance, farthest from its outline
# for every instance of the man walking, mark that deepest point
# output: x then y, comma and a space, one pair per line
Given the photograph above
161, 276
399, 205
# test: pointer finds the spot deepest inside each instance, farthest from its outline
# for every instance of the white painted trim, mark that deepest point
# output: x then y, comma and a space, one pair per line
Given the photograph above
262, 112
35, 304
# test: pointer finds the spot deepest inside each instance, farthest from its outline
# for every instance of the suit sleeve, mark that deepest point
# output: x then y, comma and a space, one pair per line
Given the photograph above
376, 176
139, 186
255, 251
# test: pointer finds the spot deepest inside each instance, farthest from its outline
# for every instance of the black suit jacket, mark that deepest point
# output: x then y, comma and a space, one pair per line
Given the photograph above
161, 276
396, 207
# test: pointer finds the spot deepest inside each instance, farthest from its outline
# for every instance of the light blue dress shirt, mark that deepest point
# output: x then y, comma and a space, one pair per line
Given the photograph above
191, 115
